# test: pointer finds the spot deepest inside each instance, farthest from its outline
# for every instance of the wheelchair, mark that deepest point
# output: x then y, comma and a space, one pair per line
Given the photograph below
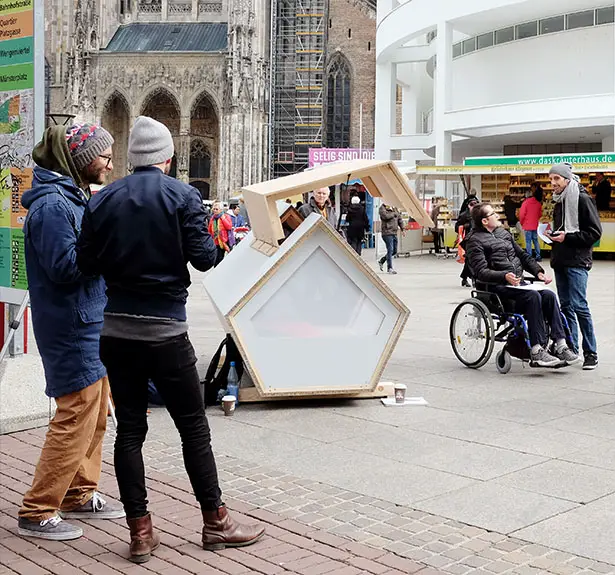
483, 320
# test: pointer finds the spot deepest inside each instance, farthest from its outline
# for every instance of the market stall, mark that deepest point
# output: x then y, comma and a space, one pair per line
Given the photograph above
492, 182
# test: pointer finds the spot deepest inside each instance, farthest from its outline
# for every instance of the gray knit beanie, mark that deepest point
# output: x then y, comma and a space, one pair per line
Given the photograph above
86, 142
563, 169
149, 143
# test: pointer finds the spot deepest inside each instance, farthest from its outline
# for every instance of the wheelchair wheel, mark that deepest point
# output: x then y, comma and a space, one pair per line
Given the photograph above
472, 333
503, 361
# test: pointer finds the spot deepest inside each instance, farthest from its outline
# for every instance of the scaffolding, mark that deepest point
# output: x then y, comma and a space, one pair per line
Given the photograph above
298, 61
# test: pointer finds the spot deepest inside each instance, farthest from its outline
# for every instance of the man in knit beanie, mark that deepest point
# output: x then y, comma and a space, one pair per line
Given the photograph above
67, 315
139, 233
576, 228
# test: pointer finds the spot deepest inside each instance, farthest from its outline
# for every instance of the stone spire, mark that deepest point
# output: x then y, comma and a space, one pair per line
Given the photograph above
79, 92
244, 99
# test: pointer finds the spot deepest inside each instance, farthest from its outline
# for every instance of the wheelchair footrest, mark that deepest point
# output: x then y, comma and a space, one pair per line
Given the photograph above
558, 366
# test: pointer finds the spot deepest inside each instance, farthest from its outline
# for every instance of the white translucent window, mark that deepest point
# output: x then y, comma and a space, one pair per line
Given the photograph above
331, 307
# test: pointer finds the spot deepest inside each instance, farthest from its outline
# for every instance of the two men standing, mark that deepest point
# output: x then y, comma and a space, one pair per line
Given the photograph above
137, 237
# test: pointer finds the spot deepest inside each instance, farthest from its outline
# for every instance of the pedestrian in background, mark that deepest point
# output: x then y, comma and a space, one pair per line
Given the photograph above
143, 255
319, 203
67, 317
358, 224
529, 216
576, 228
390, 222
244, 211
510, 211
463, 227
220, 229
602, 192
236, 217
437, 232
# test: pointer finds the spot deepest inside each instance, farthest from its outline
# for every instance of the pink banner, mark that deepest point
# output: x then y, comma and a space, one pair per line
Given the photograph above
321, 156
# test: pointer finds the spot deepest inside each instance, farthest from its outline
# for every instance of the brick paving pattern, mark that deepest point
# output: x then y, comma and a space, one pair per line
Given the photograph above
312, 528
445, 545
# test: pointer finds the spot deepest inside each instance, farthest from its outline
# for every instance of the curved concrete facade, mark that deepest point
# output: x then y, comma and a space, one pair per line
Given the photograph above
468, 78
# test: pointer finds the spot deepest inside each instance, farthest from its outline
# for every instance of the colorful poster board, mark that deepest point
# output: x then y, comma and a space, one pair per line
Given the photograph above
17, 129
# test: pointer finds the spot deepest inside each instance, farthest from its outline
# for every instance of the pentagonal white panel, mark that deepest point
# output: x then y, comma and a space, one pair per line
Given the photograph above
316, 319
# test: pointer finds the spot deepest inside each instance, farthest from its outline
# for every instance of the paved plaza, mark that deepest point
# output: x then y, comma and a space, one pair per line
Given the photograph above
499, 474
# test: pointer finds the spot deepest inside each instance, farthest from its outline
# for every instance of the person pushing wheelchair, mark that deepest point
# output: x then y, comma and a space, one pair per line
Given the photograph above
497, 261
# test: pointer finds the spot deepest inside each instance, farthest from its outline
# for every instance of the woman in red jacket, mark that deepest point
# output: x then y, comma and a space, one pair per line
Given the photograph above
220, 229
529, 216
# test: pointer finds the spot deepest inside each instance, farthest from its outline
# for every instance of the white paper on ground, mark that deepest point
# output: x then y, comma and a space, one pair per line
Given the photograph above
390, 401
542, 228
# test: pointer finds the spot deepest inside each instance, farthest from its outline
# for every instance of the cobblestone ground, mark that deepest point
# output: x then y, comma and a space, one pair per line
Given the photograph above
289, 547
442, 544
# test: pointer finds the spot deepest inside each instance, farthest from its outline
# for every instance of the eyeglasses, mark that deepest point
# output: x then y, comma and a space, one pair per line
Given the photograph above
487, 216
108, 158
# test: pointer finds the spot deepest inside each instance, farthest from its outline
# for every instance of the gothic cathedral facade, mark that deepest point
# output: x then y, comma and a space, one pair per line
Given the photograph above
202, 67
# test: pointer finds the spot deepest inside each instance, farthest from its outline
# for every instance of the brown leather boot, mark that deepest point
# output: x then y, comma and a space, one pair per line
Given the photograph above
220, 531
143, 538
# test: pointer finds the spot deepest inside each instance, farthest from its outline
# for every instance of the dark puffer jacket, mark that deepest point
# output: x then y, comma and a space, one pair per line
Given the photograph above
576, 249
357, 221
492, 255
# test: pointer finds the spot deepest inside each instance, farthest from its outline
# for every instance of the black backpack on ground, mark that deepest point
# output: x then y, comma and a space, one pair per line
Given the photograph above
213, 381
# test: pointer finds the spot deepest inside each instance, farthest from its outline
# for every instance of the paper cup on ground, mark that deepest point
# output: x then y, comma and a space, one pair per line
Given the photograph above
400, 392
228, 404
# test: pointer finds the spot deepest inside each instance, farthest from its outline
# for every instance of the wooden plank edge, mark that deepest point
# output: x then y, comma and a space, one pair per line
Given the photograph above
251, 394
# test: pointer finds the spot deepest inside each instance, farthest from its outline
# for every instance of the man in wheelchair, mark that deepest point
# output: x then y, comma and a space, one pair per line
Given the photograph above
497, 263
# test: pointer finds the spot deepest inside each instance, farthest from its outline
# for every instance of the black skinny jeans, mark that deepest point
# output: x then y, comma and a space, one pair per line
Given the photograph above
540, 309
171, 365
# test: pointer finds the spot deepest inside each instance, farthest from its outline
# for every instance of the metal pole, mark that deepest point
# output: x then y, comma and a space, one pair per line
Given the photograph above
272, 90
112, 412
360, 128
14, 324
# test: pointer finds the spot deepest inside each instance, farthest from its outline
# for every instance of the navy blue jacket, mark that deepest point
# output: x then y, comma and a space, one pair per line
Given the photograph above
139, 233
67, 307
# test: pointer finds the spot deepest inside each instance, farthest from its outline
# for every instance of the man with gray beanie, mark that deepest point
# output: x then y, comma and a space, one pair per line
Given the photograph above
67, 316
140, 233
576, 228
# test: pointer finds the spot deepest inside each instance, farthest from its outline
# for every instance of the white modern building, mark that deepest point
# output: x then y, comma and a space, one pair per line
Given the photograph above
458, 78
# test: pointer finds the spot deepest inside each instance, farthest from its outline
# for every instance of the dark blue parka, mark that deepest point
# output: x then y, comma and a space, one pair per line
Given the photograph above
67, 307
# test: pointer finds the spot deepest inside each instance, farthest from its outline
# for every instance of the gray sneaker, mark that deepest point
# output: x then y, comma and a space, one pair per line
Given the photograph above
542, 358
53, 529
392, 271
95, 508
567, 355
